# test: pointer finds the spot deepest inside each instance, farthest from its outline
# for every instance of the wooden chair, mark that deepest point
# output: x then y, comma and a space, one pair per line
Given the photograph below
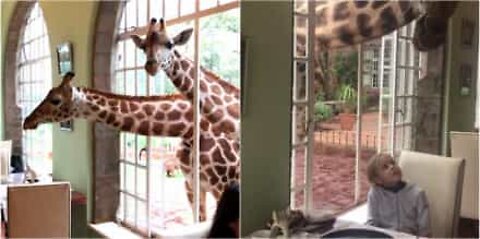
39, 210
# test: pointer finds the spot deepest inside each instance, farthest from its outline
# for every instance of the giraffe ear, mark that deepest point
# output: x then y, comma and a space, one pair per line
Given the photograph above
182, 37
138, 41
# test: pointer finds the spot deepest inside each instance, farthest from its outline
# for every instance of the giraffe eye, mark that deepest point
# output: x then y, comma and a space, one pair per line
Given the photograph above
169, 45
55, 101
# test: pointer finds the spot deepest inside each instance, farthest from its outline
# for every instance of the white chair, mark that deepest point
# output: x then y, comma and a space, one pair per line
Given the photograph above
5, 154
39, 210
465, 145
441, 178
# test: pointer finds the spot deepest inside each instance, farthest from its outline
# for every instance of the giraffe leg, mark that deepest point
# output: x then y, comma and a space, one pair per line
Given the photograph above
203, 211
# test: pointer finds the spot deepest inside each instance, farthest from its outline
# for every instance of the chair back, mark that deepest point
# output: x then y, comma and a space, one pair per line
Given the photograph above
465, 145
441, 178
5, 154
39, 210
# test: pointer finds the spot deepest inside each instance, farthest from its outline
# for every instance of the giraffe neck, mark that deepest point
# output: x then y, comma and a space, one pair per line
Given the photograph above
146, 115
220, 101
346, 22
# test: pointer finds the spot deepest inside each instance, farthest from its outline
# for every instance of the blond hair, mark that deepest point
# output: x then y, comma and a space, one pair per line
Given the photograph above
372, 167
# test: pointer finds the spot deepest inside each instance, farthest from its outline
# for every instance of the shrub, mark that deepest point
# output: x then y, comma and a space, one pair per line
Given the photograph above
322, 111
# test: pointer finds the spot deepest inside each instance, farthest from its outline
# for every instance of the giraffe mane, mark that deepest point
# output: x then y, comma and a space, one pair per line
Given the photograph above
226, 85
137, 98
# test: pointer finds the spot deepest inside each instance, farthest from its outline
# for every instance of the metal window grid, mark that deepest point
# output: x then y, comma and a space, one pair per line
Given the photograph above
33, 80
135, 17
398, 70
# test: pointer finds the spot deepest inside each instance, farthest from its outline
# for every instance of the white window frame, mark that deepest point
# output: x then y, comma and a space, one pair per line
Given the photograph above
34, 74
125, 31
393, 124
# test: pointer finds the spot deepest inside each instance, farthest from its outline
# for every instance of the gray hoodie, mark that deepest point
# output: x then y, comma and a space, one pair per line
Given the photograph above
405, 210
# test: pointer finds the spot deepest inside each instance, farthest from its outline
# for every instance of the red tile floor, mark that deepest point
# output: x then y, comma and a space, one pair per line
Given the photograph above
334, 177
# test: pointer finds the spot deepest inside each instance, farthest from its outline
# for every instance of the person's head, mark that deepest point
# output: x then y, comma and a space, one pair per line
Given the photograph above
382, 170
227, 219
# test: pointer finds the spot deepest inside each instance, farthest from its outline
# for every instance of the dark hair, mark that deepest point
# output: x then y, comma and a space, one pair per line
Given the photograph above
226, 213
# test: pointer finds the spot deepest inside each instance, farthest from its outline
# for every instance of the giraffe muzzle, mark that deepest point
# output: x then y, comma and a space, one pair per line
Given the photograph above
29, 123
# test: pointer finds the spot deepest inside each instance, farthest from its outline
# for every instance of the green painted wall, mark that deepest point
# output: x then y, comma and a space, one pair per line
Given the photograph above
6, 13
461, 109
68, 21
266, 120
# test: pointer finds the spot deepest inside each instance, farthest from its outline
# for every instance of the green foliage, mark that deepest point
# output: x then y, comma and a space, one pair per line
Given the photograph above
348, 95
345, 68
322, 111
220, 45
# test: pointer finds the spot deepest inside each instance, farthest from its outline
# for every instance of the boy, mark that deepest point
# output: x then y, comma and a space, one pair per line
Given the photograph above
393, 203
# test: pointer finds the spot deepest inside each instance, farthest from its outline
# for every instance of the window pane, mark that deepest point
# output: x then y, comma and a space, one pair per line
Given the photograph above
34, 81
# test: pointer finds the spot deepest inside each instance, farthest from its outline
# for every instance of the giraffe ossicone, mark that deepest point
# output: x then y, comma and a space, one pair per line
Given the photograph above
169, 115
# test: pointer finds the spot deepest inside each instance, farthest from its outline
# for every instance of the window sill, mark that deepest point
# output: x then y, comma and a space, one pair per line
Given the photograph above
113, 230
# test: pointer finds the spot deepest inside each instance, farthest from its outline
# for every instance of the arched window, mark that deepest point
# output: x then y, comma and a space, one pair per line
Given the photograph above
33, 80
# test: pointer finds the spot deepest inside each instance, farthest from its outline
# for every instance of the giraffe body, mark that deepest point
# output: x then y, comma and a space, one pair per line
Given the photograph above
170, 115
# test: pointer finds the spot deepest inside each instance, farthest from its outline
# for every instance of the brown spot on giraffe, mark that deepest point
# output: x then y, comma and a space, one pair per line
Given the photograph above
112, 102
182, 106
363, 24
322, 17
221, 170
159, 115
204, 160
389, 21
228, 98
216, 116
174, 115
217, 156
128, 123
140, 115
111, 118
216, 89
157, 128
123, 107
217, 100
144, 128
233, 110
206, 144
133, 107
341, 11
165, 107
203, 87
102, 114
148, 108
176, 129
101, 102
185, 65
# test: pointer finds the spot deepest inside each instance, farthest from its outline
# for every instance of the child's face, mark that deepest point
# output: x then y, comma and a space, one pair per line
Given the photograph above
389, 174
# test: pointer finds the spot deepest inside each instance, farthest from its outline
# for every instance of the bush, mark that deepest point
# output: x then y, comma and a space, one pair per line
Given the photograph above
322, 111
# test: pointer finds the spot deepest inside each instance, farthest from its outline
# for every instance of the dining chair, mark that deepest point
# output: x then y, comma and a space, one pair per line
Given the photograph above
466, 145
39, 210
5, 154
442, 178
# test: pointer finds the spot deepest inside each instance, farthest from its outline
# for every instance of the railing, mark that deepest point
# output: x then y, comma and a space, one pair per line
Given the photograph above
346, 138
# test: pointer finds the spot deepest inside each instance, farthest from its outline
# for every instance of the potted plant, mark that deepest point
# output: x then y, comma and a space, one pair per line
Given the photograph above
348, 95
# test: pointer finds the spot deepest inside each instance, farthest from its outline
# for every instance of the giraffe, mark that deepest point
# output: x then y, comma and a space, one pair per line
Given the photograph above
219, 100
343, 23
169, 115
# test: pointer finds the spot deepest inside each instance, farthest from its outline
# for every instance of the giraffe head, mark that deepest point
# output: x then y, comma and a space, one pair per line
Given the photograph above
431, 27
56, 107
158, 46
